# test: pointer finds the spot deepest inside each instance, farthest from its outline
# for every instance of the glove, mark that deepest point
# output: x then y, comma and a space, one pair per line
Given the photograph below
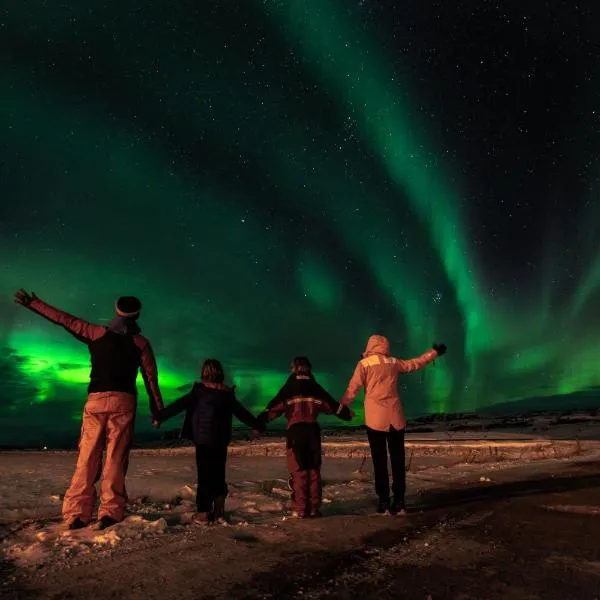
262, 420
440, 349
23, 298
344, 413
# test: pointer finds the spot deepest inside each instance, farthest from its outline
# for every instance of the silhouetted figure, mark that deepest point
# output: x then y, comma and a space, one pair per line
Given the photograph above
302, 399
378, 373
117, 351
210, 407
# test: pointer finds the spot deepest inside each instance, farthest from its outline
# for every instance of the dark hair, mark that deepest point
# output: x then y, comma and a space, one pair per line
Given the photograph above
212, 371
301, 366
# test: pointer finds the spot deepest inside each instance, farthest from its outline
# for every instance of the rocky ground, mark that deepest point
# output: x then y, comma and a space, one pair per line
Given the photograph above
505, 518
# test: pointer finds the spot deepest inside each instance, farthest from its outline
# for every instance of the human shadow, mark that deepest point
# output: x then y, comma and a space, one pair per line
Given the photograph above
324, 565
436, 499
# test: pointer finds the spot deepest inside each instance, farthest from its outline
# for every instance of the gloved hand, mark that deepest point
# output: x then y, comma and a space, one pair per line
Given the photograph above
344, 413
263, 419
24, 298
440, 349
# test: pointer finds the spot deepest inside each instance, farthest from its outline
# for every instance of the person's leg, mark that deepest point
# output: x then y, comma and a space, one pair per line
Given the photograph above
204, 501
219, 490
119, 435
315, 488
397, 458
377, 444
298, 472
80, 497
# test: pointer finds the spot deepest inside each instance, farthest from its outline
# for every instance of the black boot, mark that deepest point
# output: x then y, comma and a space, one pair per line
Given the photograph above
219, 510
77, 524
383, 508
105, 522
398, 506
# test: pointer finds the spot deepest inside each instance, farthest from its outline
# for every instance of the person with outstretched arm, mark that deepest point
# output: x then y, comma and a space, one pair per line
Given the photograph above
301, 400
378, 372
210, 407
117, 352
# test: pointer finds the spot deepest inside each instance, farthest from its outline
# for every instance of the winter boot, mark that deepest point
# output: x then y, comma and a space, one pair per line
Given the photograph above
295, 514
105, 522
219, 510
397, 507
383, 508
77, 524
201, 518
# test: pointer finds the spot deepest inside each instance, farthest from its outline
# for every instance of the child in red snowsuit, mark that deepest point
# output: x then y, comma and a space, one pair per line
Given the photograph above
302, 399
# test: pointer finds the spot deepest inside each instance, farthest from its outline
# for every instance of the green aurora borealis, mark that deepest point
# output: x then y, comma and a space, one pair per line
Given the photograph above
280, 178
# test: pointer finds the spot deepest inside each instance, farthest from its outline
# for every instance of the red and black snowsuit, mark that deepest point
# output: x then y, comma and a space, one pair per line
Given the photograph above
302, 399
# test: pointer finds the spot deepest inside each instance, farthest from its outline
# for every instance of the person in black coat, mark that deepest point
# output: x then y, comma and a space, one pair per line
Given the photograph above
210, 407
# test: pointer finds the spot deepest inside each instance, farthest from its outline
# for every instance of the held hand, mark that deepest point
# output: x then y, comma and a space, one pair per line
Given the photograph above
352, 413
24, 298
155, 423
440, 349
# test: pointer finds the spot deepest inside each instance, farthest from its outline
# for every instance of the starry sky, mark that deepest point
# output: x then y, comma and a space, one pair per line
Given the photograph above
276, 178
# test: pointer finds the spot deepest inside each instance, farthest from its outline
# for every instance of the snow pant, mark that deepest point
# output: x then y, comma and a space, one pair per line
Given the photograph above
394, 440
108, 423
210, 467
304, 464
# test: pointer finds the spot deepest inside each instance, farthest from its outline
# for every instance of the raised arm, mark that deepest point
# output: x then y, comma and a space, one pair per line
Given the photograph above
82, 330
356, 382
150, 376
414, 364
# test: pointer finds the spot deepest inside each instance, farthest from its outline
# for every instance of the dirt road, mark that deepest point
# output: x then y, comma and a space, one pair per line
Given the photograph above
528, 535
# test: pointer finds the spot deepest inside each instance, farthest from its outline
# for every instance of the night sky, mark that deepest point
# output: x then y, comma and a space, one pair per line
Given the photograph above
277, 178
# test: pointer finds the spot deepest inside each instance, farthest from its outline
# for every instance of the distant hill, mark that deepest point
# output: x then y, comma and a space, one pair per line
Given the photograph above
587, 400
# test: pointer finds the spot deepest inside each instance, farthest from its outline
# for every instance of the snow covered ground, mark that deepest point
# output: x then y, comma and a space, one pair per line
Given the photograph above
161, 487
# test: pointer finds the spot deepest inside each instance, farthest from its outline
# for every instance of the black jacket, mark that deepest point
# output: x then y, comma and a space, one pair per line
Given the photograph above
210, 410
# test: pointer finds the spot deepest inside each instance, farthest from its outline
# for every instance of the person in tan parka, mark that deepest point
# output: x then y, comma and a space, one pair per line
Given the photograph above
378, 373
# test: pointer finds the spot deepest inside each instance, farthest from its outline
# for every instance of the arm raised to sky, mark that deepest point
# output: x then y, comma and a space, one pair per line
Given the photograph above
82, 330
414, 364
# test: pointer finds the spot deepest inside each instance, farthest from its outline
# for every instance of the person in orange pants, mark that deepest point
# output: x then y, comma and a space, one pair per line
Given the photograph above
117, 352
302, 399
